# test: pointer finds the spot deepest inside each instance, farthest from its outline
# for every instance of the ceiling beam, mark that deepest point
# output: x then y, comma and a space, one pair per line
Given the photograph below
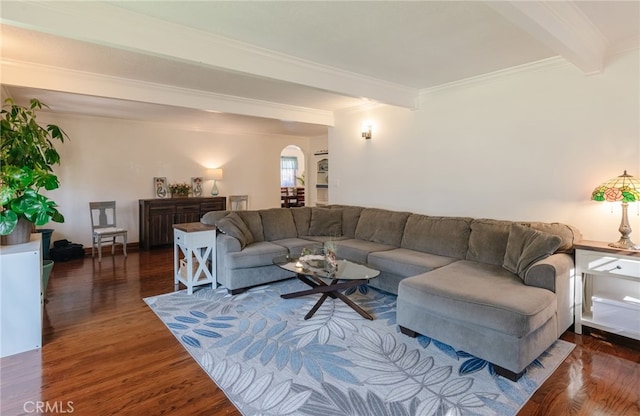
562, 27
108, 25
64, 80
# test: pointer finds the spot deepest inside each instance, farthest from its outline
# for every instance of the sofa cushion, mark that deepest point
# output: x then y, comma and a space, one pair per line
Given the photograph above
405, 262
233, 226
325, 221
488, 241
255, 255
526, 246
253, 220
350, 217
296, 245
381, 226
567, 233
358, 250
302, 219
278, 224
445, 236
480, 294
321, 239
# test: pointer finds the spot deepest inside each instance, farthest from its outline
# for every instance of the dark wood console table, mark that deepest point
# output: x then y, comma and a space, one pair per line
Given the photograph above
157, 216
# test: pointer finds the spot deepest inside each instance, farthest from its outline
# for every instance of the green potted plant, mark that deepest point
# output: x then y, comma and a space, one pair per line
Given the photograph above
26, 159
179, 190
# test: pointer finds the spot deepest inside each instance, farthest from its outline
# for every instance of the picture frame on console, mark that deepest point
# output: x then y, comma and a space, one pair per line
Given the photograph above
160, 187
196, 186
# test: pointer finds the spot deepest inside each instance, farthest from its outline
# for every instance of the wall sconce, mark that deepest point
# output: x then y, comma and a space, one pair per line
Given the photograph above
367, 129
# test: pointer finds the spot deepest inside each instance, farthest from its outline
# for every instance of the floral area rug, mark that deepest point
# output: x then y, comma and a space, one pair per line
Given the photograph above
269, 361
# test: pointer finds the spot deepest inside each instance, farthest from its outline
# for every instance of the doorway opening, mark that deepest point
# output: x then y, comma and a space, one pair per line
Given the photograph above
292, 177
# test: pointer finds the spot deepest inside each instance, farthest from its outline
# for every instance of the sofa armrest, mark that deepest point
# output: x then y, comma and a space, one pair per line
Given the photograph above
545, 273
227, 244
224, 244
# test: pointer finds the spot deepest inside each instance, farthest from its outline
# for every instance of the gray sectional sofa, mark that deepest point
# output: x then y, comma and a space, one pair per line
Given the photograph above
499, 290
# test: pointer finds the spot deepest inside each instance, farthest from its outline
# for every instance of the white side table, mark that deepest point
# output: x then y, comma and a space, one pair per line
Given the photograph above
194, 243
615, 287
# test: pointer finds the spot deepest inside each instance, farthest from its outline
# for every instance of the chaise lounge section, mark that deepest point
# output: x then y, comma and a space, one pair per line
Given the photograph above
500, 290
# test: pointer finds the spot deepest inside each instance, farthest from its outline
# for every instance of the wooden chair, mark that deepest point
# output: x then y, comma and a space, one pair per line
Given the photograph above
299, 197
239, 202
288, 198
103, 227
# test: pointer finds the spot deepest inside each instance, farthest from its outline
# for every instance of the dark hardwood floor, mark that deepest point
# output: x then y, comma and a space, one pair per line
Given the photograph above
106, 353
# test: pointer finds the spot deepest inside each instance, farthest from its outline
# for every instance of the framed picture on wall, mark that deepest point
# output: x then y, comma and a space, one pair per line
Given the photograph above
160, 187
196, 186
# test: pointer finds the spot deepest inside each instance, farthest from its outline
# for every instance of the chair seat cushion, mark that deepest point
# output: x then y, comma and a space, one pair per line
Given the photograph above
108, 231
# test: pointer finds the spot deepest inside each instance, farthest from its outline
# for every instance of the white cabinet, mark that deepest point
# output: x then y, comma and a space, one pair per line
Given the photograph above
194, 255
607, 289
21, 301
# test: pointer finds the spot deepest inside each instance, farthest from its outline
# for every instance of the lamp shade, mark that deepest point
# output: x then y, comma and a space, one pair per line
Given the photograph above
215, 174
624, 188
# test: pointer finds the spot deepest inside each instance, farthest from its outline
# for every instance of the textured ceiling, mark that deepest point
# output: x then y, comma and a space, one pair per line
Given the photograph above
221, 62
416, 44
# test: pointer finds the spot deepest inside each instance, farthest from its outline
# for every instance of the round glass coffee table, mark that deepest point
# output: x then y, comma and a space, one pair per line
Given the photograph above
348, 274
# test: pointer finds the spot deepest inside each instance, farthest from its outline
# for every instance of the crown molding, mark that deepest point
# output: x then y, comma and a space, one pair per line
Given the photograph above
111, 26
543, 65
77, 82
625, 46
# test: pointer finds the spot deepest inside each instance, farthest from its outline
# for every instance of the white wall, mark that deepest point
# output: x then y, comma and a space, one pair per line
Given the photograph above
529, 146
110, 159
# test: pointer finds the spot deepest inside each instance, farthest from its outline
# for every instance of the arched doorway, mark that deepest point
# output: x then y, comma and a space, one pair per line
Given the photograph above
292, 177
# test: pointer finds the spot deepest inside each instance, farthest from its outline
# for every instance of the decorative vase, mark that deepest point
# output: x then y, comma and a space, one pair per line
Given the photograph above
20, 235
330, 261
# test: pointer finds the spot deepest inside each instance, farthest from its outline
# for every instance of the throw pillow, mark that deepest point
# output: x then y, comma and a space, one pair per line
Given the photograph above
326, 222
212, 217
232, 225
526, 246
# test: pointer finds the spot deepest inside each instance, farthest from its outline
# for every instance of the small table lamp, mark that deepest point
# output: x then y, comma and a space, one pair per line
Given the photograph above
216, 175
624, 188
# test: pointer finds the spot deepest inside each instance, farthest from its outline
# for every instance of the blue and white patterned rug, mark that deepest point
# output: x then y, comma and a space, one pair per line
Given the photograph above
269, 361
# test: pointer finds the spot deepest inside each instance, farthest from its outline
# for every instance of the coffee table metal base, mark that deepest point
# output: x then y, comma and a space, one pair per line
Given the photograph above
328, 290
